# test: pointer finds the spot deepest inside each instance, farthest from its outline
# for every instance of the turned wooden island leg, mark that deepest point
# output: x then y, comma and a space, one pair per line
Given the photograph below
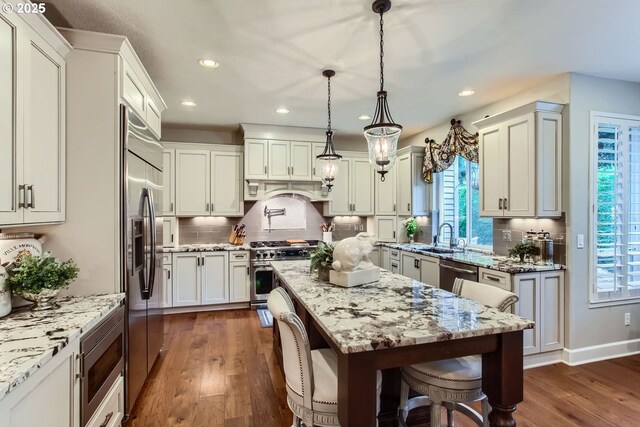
357, 389
502, 378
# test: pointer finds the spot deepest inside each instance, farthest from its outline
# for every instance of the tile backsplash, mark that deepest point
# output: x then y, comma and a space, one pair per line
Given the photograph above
518, 228
203, 230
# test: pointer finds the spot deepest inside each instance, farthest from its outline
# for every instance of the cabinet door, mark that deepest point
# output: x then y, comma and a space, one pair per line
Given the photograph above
44, 132
168, 182
153, 117
551, 311
316, 149
238, 282
385, 228
340, 204
167, 286
410, 266
10, 128
192, 182
215, 280
226, 184
133, 91
420, 189
385, 194
255, 158
490, 170
404, 185
186, 279
169, 232
384, 258
362, 187
279, 160
430, 271
527, 287
301, 164
548, 164
519, 164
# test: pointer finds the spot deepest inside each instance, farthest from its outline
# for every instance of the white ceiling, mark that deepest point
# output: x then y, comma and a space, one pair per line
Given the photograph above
272, 53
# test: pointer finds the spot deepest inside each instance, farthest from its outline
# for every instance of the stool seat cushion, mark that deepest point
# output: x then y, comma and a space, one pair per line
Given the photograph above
462, 373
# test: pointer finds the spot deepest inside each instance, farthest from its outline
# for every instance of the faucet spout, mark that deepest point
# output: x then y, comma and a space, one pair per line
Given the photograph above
452, 241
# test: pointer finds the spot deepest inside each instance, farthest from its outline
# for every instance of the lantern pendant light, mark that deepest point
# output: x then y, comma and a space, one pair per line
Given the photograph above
329, 158
383, 133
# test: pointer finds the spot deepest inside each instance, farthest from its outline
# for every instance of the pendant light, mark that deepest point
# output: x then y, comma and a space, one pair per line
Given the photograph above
329, 158
383, 133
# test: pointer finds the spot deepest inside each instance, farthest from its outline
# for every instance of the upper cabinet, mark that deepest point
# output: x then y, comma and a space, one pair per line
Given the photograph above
353, 191
413, 194
385, 195
168, 182
32, 113
520, 162
208, 182
278, 160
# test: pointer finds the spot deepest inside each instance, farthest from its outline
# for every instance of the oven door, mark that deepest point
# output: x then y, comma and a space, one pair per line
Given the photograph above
101, 366
261, 282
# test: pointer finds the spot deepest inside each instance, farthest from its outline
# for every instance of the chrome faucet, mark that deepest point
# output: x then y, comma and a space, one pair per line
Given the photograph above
452, 240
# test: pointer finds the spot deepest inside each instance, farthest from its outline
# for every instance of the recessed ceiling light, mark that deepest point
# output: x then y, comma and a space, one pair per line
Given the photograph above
364, 117
282, 110
466, 92
208, 63
188, 103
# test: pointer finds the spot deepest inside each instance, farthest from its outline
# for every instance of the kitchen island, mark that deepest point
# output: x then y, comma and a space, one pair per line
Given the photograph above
399, 321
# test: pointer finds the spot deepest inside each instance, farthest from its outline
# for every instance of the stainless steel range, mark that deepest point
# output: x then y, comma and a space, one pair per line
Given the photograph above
262, 253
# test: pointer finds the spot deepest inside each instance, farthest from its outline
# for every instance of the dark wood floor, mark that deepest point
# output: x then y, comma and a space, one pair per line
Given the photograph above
218, 369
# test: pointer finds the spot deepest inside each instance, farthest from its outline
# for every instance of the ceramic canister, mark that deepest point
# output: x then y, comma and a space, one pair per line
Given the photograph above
14, 244
5, 294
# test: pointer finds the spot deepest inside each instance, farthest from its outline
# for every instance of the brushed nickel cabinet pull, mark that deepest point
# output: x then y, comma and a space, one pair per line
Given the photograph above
314, 171
206, 207
505, 205
171, 207
291, 170
107, 419
394, 207
500, 203
31, 196
171, 237
394, 235
493, 278
168, 274
265, 170
22, 201
408, 206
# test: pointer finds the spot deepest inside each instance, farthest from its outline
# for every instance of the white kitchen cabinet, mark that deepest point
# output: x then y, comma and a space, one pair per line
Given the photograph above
169, 232
385, 228
214, 278
209, 182
33, 123
353, 190
239, 276
193, 182
49, 397
279, 165
167, 286
317, 148
289, 160
410, 265
255, 158
375, 256
186, 282
111, 411
384, 258
520, 158
495, 278
394, 266
430, 270
301, 161
385, 194
413, 194
154, 120
168, 182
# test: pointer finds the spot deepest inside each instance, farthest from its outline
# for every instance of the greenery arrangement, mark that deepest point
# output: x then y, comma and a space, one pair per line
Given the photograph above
34, 273
411, 225
322, 257
522, 249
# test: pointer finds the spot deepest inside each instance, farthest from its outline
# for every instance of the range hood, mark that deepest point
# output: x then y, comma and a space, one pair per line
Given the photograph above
255, 190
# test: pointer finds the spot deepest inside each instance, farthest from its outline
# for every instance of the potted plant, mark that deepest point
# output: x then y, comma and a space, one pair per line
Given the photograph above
321, 260
521, 250
39, 278
411, 225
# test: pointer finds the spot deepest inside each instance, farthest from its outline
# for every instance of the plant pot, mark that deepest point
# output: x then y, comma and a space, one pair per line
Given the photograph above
44, 300
323, 274
522, 258
410, 236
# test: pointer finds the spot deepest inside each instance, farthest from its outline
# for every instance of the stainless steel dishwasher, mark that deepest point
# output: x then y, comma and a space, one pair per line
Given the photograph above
451, 270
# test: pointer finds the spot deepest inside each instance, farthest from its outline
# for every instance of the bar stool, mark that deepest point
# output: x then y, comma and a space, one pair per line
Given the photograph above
311, 375
453, 382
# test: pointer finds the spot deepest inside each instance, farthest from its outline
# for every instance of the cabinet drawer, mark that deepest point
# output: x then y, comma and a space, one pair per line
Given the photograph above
495, 278
394, 254
236, 256
111, 411
166, 259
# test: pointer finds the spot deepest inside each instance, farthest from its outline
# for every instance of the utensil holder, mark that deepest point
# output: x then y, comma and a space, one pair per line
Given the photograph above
233, 237
327, 236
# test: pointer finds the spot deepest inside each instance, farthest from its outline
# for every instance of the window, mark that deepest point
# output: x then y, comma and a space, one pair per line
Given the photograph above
460, 205
615, 213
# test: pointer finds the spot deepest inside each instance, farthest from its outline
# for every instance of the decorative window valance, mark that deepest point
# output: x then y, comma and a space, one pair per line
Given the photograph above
438, 157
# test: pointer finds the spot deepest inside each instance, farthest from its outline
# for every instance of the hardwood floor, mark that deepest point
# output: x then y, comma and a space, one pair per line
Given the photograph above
219, 370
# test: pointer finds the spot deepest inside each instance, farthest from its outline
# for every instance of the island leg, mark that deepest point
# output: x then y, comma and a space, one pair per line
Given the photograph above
357, 390
502, 378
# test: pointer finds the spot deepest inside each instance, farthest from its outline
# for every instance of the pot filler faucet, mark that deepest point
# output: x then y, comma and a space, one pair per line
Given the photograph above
273, 212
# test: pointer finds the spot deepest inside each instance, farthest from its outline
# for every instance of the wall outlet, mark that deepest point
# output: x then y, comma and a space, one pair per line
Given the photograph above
580, 242
361, 227
627, 319
506, 235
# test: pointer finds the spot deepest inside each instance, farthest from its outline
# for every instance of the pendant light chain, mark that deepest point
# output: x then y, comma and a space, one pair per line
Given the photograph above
329, 103
381, 52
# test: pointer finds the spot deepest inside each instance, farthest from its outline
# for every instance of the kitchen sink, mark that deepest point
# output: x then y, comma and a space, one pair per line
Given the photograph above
439, 250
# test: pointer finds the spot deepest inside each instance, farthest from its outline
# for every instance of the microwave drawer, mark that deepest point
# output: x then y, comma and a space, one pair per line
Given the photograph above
111, 410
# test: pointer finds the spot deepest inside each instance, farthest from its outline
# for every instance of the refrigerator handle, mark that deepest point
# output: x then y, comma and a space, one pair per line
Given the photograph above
146, 194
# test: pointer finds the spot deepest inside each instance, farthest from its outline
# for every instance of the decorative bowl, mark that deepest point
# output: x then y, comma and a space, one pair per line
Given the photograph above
44, 300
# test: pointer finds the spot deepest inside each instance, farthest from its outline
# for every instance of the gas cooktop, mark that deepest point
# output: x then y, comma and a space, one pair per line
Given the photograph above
282, 244
282, 249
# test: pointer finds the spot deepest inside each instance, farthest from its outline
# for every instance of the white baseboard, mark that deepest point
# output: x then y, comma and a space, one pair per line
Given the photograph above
600, 352
200, 308
542, 359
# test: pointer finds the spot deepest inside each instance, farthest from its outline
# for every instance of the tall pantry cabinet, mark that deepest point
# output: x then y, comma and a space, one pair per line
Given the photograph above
32, 120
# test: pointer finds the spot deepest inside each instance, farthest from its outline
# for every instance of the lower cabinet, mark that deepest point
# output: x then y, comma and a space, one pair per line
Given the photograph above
375, 256
50, 397
111, 411
430, 271
208, 278
167, 287
410, 265
384, 258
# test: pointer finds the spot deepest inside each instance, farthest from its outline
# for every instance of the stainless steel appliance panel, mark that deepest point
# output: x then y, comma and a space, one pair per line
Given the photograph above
451, 270
155, 319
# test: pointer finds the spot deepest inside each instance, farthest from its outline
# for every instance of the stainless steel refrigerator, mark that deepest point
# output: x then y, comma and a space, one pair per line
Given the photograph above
141, 199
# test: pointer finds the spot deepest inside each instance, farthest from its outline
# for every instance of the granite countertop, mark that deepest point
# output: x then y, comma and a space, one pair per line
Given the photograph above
208, 248
394, 312
29, 339
478, 258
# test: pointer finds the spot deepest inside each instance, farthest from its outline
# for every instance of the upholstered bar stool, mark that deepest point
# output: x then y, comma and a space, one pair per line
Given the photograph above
311, 375
453, 382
